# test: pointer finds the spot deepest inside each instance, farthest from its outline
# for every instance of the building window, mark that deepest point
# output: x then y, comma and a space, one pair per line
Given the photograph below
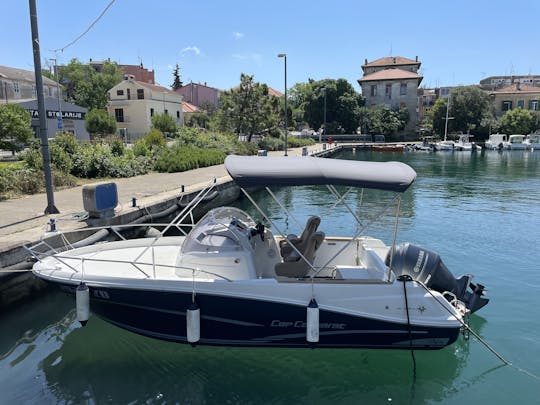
506, 105
151, 112
373, 90
129, 94
521, 104
15, 87
119, 114
534, 105
388, 91
403, 89
119, 92
177, 114
140, 94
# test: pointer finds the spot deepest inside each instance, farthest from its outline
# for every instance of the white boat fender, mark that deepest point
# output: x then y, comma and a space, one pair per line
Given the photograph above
312, 322
82, 302
193, 323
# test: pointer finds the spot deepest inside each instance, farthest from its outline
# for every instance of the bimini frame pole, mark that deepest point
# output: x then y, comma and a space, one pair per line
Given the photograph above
394, 238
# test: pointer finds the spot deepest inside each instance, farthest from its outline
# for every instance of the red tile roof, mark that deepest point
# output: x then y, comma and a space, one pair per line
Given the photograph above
188, 108
391, 60
274, 92
154, 87
391, 74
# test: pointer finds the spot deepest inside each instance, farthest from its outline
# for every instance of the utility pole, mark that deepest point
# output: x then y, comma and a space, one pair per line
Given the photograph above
51, 209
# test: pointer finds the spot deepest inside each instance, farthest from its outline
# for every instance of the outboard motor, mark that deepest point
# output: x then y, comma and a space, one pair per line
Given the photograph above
426, 266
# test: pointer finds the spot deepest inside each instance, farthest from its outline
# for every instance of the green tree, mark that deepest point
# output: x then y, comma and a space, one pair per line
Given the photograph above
469, 107
86, 87
177, 82
164, 123
384, 121
519, 121
99, 123
438, 116
15, 129
343, 104
248, 109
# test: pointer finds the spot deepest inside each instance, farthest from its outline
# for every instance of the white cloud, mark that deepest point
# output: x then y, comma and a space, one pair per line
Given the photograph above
190, 49
238, 35
170, 67
255, 57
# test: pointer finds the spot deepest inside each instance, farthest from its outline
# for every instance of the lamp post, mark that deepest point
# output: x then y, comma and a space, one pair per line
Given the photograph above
284, 56
324, 116
60, 126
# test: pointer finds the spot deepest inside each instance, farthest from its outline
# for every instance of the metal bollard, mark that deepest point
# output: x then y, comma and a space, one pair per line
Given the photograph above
133, 202
52, 224
182, 187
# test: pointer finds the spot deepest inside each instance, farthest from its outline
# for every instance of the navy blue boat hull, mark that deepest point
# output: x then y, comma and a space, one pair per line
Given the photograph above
229, 321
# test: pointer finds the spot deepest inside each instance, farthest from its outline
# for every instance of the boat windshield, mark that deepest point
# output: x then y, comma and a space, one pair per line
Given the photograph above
221, 229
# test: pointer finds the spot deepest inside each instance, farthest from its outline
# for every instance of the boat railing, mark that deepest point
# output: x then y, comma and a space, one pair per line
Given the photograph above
45, 247
136, 265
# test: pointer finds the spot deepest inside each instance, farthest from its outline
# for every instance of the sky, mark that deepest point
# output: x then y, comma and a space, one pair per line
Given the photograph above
458, 42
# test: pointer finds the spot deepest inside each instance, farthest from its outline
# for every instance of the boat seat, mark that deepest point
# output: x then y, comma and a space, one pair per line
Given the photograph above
294, 265
299, 241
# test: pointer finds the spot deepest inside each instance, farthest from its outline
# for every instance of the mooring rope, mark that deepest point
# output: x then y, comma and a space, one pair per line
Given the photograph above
477, 336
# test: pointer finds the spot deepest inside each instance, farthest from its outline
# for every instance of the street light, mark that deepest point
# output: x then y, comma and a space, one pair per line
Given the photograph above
60, 126
284, 56
324, 116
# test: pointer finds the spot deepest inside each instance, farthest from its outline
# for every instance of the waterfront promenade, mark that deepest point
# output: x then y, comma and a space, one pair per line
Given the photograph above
22, 219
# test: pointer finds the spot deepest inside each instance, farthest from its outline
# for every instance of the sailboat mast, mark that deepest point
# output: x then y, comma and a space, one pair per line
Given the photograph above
446, 120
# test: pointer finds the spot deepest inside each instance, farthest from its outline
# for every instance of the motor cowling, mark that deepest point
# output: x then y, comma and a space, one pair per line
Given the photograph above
426, 266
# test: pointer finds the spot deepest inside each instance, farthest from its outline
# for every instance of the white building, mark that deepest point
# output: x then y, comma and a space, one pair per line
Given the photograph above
133, 104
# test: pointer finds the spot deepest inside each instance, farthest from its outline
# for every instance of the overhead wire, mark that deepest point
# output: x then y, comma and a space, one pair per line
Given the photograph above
88, 29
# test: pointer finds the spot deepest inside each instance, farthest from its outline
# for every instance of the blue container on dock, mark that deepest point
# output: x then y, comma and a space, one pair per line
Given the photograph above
100, 199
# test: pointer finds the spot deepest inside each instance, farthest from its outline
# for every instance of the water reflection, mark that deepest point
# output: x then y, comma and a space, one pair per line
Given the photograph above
106, 364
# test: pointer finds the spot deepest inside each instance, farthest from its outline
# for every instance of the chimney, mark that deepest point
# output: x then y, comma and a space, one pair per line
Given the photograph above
518, 88
417, 58
365, 61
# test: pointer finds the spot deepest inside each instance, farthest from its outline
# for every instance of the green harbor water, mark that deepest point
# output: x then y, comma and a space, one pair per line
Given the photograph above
479, 211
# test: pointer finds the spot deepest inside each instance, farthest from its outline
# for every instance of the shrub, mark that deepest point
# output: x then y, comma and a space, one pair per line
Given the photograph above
273, 144
294, 142
181, 158
66, 141
97, 160
60, 159
117, 145
140, 148
154, 139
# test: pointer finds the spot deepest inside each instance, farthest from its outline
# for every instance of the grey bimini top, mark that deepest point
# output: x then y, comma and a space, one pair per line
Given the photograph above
263, 171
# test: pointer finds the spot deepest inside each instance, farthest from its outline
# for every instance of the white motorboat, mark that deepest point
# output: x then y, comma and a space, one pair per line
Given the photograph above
427, 145
515, 142
532, 142
444, 146
232, 281
495, 141
464, 143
